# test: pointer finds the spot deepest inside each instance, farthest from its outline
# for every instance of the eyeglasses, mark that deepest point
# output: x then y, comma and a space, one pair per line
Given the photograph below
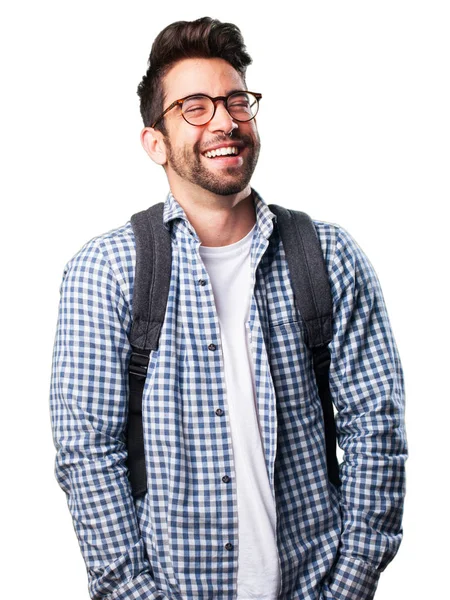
199, 109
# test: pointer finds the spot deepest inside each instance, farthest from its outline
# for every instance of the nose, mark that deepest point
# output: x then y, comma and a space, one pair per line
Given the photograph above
222, 120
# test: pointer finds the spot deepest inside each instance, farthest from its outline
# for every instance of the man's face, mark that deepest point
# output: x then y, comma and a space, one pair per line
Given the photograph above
187, 144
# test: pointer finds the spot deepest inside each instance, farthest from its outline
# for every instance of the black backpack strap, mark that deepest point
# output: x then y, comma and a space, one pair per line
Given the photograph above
150, 293
313, 301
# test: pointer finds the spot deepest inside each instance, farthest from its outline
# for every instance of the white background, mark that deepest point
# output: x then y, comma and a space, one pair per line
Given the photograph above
362, 140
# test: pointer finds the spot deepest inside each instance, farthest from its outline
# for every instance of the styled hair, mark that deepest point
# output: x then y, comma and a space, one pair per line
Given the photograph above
202, 38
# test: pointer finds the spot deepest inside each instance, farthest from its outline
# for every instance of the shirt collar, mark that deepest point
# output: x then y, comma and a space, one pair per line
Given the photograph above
264, 216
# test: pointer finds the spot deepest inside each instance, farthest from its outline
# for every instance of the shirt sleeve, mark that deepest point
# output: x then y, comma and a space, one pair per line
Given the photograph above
88, 408
366, 383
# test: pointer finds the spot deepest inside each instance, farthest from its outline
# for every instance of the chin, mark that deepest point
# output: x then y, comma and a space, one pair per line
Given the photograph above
229, 184
224, 188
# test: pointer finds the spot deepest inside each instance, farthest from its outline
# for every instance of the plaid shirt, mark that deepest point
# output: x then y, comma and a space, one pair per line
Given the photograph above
180, 541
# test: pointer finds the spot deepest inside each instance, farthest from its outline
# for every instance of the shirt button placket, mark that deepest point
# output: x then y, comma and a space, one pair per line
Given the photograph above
219, 412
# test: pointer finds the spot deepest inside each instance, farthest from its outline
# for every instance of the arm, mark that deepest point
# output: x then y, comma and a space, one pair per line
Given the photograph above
88, 403
367, 387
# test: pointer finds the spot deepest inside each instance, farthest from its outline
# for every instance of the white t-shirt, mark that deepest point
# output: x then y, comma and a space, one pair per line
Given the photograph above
229, 271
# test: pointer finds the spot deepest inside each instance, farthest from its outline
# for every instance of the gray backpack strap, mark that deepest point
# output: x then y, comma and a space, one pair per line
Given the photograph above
152, 276
311, 287
150, 293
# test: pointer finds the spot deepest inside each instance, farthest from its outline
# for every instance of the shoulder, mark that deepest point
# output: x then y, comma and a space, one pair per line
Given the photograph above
346, 262
109, 256
328, 234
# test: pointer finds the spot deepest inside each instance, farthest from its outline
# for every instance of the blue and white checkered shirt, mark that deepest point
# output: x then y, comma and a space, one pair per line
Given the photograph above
180, 541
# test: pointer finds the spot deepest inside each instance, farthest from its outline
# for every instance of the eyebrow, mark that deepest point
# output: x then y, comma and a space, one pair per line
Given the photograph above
206, 94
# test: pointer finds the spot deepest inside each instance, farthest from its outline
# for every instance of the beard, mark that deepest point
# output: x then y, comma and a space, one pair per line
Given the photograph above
189, 164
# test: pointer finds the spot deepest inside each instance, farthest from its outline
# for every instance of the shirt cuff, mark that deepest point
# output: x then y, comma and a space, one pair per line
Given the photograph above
141, 587
351, 579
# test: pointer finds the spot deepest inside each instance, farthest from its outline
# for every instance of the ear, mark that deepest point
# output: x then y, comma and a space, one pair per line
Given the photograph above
152, 141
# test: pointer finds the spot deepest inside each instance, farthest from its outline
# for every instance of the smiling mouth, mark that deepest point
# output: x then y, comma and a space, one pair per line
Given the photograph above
228, 151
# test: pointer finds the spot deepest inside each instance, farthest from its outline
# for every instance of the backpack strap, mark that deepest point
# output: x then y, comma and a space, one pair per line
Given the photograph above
150, 293
313, 301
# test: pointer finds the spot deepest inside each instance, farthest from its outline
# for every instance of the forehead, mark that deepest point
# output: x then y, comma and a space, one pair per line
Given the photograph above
212, 76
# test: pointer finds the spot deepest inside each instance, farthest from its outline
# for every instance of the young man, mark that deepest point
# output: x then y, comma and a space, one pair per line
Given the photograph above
238, 501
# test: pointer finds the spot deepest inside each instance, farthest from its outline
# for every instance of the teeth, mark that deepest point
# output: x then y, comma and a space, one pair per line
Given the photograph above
222, 152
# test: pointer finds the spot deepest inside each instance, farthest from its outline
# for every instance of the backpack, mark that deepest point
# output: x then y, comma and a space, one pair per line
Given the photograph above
309, 280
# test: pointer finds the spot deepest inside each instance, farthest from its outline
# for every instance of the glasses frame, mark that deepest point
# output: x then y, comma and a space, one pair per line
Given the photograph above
214, 101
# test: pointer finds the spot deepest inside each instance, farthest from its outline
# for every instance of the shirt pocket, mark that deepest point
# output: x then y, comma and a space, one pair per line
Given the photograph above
291, 364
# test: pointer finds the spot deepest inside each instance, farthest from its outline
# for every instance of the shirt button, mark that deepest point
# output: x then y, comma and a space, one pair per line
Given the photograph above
212, 347
226, 479
219, 412
202, 281
229, 546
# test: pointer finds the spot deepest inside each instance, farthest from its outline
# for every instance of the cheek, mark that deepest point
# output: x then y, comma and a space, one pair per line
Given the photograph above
250, 129
181, 134
189, 144
254, 128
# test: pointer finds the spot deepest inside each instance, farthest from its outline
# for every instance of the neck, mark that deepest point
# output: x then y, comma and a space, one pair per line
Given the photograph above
218, 220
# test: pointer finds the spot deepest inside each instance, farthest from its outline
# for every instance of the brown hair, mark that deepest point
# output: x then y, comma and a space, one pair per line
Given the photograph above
203, 38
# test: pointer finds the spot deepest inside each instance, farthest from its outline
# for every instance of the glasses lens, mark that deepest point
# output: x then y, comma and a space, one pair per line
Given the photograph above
197, 110
242, 106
